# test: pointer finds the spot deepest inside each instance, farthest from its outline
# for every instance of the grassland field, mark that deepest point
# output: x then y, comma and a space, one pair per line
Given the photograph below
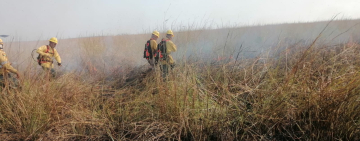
295, 81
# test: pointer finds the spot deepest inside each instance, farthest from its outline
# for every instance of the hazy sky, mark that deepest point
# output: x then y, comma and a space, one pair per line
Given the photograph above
42, 19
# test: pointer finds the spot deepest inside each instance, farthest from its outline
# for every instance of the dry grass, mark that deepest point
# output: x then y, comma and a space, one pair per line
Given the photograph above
296, 93
256, 99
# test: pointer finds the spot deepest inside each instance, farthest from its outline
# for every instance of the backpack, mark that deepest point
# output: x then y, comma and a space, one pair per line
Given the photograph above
148, 54
39, 59
161, 51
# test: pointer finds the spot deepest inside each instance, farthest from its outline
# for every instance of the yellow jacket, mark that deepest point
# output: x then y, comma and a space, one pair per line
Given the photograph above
5, 64
48, 56
153, 45
170, 47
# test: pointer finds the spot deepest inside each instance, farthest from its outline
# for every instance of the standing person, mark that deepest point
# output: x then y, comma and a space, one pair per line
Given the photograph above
5, 68
165, 48
46, 55
150, 48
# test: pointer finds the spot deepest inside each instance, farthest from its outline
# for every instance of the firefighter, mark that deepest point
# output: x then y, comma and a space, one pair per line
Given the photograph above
5, 68
169, 48
46, 55
150, 48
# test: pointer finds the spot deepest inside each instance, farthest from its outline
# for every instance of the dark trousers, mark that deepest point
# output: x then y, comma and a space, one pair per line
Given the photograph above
10, 81
164, 70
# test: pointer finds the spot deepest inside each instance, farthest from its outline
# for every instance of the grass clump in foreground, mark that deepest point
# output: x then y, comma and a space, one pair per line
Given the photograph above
309, 94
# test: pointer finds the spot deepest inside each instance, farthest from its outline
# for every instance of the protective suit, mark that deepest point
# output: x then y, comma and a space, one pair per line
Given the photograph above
5, 68
170, 47
47, 54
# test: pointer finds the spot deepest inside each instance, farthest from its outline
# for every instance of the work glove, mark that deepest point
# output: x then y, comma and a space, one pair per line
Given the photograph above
59, 64
17, 75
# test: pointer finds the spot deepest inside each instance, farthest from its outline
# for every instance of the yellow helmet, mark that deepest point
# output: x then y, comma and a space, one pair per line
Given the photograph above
54, 40
170, 32
1, 42
156, 33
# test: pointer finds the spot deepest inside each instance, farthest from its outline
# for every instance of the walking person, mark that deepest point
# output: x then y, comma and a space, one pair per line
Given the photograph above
150, 49
165, 48
46, 55
5, 68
